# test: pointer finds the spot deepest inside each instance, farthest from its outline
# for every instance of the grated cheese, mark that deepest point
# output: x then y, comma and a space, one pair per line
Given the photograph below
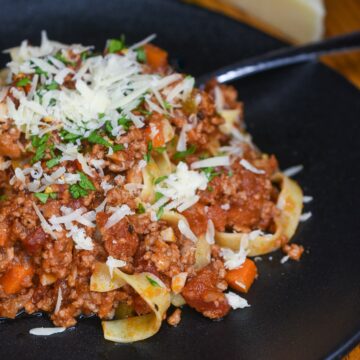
211, 162
293, 170
184, 228
42, 331
113, 263
307, 199
251, 167
305, 216
118, 214
210, 233
181, 186
58, 301
236, 301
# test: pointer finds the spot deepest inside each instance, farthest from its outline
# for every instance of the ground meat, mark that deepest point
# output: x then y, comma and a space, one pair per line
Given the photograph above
294, 251
175, 318
121, 240
57, 256
136, 147
34, 242
202, 293
9, 143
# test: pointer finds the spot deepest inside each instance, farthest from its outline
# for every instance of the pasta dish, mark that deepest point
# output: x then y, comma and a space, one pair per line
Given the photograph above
128, 193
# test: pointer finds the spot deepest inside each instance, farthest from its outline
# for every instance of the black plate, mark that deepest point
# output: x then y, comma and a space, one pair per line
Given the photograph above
306, 114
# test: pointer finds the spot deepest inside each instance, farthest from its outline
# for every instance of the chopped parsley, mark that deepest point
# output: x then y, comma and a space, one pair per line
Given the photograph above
53, 162
183, 154
167, 106
160, 149
141, 55
115, 45
68, 136
53, 195
152, 281
160, 212
230, 173
118, 147
160, 179
40, 71
52, 86
42, 197
140, 209
59, 56
23, 82
147, 155
76, 191
95, 138
210, 173
125, 123
82, 188
158, 196
3, 197
210, 189
39, 143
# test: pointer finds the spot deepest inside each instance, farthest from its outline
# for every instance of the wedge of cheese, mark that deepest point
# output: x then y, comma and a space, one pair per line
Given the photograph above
299, 20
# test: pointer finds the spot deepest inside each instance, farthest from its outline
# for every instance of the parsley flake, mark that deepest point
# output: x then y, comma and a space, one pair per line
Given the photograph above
183, 154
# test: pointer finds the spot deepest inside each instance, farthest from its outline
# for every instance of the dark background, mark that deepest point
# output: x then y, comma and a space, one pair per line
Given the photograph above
305, 115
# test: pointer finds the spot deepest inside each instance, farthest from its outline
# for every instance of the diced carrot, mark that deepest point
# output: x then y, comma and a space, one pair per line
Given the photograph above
155, 133
155, 57
13, 279
241, 278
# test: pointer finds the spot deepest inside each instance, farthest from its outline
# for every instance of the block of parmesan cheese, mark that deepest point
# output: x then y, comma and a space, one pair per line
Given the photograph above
299, 20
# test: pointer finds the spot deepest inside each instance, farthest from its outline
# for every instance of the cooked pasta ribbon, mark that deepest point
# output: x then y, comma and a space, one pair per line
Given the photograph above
155, 294
290, 205
101, 281
149, 287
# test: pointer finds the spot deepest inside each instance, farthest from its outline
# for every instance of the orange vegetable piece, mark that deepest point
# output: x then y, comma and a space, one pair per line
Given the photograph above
155, 57
12, 281
155, 133
241, 278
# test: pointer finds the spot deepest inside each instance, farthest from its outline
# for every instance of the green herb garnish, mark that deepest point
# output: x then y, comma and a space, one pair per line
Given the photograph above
152, 281
23, 82
125, 123
141, 55
39, 143
160, 179
158, 196
182, 154
53, 162
40, 71
76, 191
82, 187
210, 173
52, 86
69, 137
42, 197
140, 209
95, 138
118, 147
115, 45
3, 197
160, 149
53, 195
160, 212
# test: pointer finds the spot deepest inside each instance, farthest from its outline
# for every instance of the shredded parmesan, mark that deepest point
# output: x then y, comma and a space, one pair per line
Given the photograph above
42, 331
210, 233
305, 216
58, 301
211, 162
294, 170
307, 199
236, 301
250, 167
118, 214
113, 263
184, 228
